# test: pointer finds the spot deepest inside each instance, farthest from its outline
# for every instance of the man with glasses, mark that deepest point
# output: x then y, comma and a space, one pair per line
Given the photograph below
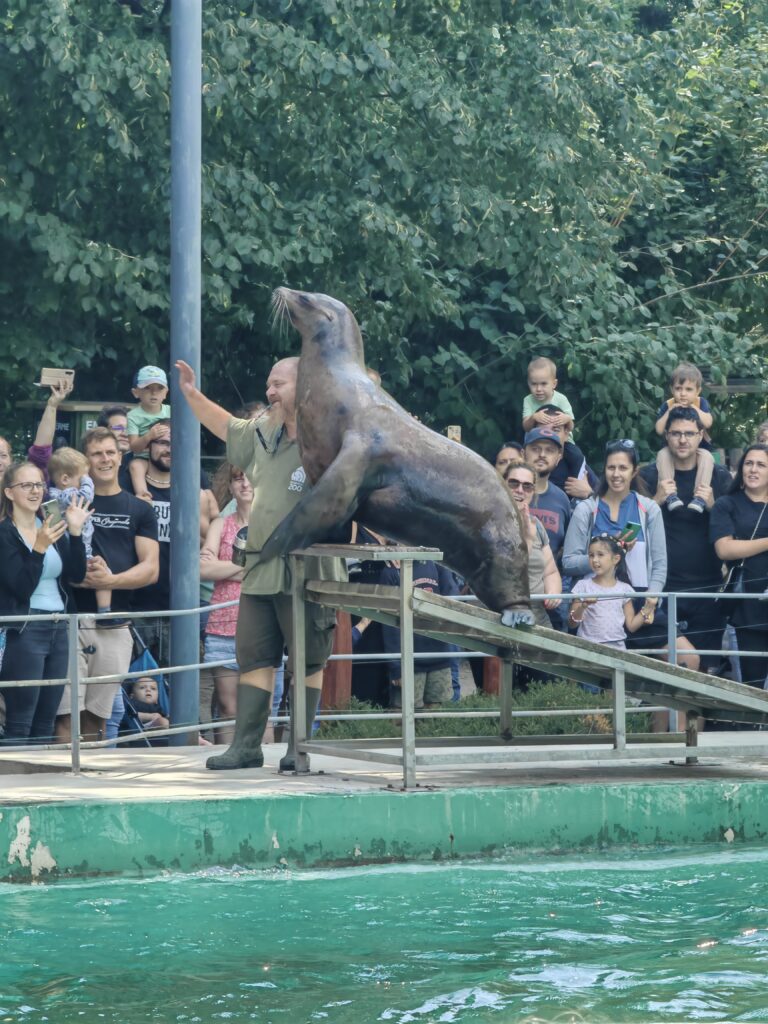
692, 562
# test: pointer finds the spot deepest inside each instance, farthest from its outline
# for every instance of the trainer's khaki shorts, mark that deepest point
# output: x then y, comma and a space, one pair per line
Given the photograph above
103, 652
265, 627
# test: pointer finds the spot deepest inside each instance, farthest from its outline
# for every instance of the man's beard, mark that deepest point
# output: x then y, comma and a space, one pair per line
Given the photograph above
159, 466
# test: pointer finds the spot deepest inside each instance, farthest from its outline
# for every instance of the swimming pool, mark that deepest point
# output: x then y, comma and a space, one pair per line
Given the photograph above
636, 937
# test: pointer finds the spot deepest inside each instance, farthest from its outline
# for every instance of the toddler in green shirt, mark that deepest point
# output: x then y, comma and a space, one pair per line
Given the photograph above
151, 391
542, 382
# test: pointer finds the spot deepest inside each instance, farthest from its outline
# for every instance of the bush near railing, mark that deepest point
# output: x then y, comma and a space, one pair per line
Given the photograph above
556, 694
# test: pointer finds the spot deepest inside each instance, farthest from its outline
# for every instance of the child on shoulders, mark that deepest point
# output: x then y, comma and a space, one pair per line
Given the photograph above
542, 385
150, 391
686, 384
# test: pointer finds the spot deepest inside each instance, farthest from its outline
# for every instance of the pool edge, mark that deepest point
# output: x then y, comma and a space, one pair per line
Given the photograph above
75, 839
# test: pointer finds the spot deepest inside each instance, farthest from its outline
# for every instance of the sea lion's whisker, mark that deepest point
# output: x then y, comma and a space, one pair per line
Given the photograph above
280, 314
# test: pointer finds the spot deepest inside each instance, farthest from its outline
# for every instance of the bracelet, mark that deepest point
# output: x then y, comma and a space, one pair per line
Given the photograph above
576, 621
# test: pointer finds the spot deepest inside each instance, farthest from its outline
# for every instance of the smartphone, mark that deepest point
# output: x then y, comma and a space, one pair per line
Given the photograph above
51, 508
630, 532
50, 376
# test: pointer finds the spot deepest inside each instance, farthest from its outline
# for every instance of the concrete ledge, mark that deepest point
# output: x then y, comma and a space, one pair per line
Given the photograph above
42, 841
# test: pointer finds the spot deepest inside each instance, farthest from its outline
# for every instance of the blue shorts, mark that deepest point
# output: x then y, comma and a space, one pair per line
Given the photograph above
220, 648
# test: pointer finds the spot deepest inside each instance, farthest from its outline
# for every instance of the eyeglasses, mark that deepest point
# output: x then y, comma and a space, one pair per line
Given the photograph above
683, 435
30, 486
623, 444
515, 485
118, 430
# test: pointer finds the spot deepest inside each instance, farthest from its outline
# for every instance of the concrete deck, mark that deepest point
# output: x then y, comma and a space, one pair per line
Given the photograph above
179, 773
142, 812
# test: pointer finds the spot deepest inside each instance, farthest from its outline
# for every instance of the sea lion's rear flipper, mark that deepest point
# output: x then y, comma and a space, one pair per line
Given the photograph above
327, 508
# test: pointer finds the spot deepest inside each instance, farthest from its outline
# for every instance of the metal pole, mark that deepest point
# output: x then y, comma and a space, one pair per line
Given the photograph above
186, 91
619, 712
672, 649
691, 734
73, 671
505, 699
407, 673
299, 704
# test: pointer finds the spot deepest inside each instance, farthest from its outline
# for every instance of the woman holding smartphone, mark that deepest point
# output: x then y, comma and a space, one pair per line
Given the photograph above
39, 559
622, 509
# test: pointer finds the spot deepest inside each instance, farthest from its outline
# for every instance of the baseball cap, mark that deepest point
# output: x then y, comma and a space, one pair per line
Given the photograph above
543, 434
151, 375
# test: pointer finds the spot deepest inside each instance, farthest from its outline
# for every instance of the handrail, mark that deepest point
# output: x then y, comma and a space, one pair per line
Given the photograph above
75, 680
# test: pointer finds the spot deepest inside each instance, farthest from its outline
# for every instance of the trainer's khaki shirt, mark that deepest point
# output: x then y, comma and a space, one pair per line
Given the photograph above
271, 462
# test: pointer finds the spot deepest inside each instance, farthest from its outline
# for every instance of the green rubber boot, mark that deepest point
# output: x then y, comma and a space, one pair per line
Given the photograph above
253, 709
288, 761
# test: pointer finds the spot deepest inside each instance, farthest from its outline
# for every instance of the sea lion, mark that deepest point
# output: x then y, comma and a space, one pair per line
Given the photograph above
369, 459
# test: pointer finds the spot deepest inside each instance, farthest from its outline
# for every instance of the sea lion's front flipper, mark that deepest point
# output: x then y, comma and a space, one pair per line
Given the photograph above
331, 503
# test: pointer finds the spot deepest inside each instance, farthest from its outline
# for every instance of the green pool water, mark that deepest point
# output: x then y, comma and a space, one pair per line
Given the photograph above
669, 937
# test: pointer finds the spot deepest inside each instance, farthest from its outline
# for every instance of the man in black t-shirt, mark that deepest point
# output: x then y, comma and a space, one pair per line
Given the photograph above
125, 559
157, 597
692, 561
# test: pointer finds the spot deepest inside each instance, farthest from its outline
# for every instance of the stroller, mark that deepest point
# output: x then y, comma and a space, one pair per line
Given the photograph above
143, 661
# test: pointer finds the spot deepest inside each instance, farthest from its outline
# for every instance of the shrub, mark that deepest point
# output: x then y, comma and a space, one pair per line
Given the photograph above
539, 695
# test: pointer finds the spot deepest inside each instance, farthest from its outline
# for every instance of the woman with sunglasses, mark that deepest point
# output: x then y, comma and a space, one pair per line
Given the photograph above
543, 577
738, 527
38, 562
620, 501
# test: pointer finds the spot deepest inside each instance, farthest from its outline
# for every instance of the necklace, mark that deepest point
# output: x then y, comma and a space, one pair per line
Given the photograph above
162, 484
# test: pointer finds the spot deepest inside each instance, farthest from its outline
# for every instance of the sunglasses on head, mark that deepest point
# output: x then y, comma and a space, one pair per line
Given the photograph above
622, 444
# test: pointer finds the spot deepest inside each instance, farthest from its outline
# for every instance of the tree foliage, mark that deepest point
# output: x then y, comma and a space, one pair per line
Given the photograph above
480, 181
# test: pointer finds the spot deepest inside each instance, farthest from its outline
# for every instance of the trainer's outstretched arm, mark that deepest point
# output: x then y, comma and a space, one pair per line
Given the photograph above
207, 412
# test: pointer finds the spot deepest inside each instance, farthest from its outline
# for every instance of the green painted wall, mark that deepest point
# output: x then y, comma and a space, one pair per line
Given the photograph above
38, 841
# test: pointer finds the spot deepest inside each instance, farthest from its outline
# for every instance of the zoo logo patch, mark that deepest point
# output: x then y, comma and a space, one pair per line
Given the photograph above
298, 477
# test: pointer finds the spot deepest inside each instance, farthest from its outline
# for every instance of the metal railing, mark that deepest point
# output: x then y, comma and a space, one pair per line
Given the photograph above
76, 682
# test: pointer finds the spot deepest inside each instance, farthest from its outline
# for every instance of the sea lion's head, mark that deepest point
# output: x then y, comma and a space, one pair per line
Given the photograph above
319, 318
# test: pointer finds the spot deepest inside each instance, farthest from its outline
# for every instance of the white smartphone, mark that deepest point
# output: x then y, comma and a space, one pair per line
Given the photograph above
50, 376
51, 509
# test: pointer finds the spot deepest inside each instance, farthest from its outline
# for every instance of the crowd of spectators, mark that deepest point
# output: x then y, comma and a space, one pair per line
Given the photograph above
88, 530
680, 524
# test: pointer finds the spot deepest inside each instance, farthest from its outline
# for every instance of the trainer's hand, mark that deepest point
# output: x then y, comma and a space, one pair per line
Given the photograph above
187, 381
